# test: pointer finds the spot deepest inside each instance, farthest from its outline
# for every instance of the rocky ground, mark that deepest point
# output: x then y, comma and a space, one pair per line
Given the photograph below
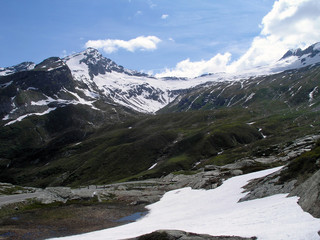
61, 211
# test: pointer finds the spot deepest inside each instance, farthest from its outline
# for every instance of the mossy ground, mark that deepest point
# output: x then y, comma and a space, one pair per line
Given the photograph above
303, 166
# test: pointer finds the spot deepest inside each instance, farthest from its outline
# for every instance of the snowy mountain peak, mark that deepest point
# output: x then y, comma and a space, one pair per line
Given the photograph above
92, 51
25, 66
292, 52
97, 64
311, 51
50, 64
92, 56
101, 78
298, 58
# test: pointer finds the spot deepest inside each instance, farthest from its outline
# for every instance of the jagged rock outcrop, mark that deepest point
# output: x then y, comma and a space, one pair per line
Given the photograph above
267, 186
300, 177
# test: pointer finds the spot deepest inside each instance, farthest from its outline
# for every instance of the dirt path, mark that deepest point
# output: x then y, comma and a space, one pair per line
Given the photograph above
8, 199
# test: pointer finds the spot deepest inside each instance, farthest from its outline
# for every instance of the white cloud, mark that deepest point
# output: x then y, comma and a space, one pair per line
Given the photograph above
151, 4
164, 16
63, 54
186, 68
289, 24
138, 13
112, 45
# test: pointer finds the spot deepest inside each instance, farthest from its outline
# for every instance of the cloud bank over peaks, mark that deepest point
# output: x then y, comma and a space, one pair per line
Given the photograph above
141, 43
189, 69
290, 24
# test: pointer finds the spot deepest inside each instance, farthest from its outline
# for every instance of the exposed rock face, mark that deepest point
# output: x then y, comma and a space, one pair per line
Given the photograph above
301, 177
181, 235
267, 186
98, 64
309, 193
312, 50
25, 90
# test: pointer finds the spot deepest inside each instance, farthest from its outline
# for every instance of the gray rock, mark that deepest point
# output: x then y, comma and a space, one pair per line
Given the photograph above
267, 186
236, 172
211, 167
267, 160
181, 235
309, 193
240, 164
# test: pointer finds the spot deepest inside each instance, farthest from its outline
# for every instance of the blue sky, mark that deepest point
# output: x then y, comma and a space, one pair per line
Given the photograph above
32, 30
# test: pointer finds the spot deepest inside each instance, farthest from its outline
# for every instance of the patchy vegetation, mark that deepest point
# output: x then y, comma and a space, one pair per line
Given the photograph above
302, 167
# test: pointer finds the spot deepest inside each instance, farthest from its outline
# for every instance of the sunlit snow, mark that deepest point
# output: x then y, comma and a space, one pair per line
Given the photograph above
217, 212
27, 115
153, 166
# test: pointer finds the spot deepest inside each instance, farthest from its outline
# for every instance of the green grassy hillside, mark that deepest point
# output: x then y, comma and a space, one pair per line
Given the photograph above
212, 124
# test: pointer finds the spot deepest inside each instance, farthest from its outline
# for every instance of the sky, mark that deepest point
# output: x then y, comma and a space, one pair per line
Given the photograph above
184, 38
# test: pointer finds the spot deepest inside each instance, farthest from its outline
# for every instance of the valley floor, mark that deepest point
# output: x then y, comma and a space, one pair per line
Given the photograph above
64, 220
218, 212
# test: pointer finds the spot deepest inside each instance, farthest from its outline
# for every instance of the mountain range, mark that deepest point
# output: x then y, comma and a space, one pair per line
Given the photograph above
84, 119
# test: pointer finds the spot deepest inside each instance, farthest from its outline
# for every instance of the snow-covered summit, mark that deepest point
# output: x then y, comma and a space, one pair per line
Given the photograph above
292, 59
298, 58
310, 52
25, 66
103, 78
97, 64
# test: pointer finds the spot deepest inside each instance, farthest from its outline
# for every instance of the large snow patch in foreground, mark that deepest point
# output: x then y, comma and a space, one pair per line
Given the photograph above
217, 212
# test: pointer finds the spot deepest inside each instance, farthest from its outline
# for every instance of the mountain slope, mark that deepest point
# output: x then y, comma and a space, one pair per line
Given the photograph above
93, 78
85, 78
296, 88
104, 78
78, 120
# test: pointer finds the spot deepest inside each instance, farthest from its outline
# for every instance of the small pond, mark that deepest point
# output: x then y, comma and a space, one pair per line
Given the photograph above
132, 217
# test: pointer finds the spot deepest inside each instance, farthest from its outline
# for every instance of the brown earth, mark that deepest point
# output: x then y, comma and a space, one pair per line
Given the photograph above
61, 221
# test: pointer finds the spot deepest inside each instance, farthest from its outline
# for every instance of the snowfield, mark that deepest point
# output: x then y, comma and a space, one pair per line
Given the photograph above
217, 212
